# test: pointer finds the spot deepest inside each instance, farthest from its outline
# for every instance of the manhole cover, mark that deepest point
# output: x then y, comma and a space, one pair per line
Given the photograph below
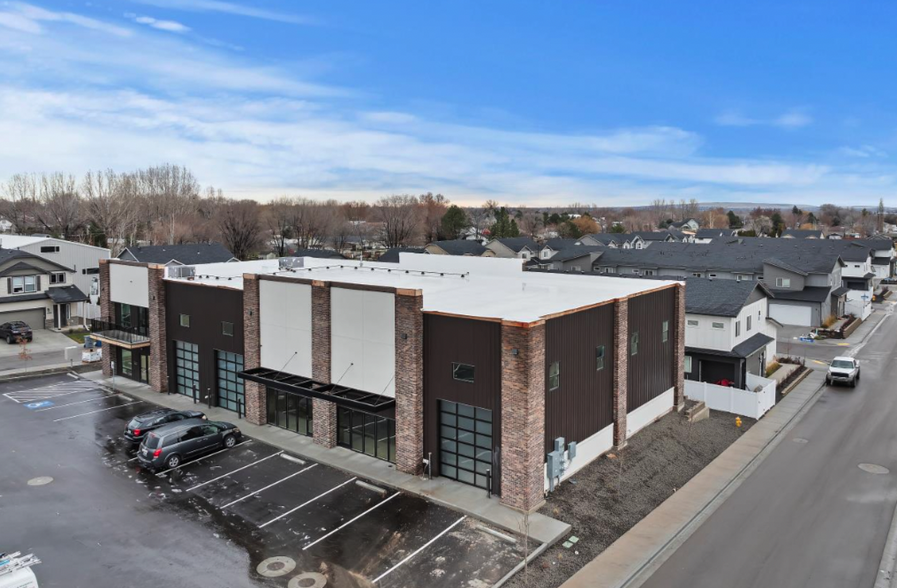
40, 481
274, 567
800, 440
308, 580
874, 469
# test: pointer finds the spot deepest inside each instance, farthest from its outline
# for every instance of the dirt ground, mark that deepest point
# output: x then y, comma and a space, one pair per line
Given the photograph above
609, 496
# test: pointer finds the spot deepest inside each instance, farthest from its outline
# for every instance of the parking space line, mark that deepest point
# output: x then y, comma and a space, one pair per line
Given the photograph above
203, 457
96, 411
100, 397
291, 511
260, 490
427, 544
344, 525
234, 472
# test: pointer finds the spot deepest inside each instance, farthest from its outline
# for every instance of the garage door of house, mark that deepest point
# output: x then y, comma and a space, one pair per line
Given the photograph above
33, 317
465, 443
791, 315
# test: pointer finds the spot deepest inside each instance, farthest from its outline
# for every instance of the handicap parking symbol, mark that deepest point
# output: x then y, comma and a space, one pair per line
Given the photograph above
41, 404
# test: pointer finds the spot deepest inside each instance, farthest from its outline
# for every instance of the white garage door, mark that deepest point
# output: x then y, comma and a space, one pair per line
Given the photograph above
34, 317
791, 315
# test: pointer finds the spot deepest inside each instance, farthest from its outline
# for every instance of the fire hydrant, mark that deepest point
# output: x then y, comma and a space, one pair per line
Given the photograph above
738, 422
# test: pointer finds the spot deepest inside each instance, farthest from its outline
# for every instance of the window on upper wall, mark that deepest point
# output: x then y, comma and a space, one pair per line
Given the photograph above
692, 323
227, 329
90, 270
696, 275
633, 344
49, 249
599, 358
666, 331
783, 282
687, 364
649, 272
719, 326
57, 278
737, 328
554, 376
747, 326
463, 372
184, 320
23, 284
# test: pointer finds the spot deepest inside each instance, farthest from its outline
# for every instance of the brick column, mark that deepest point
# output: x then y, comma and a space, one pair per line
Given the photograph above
409, 381
254, 393
679, 348
621, 362
106, 313
323, 412
157, 328
523, 415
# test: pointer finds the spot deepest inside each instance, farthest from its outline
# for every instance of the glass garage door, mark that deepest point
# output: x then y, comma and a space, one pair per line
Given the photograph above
465, 443
186, 361
230, 385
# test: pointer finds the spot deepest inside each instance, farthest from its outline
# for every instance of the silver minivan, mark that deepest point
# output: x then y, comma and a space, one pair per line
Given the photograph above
171, 445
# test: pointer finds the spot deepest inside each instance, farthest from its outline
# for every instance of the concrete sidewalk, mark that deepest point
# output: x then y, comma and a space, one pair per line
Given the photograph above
467, 499
631, 559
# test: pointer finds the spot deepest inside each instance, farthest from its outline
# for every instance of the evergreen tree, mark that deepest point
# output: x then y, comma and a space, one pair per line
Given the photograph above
453, 223
504, 225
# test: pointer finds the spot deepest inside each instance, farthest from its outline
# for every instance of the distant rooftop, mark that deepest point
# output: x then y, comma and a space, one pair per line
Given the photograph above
186, 254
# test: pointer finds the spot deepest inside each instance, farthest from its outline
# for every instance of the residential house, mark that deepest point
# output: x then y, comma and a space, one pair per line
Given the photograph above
392, 255
728, 333
573, 259
649, 237
83, 259
520, 247
430, 367
708, 235
802, 234
181, 254
614, 240
686, 225
39, 291
458, 247
553, 246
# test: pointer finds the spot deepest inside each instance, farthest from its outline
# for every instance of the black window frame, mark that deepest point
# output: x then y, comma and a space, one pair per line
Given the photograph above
181, 320
49, 249
633, 343
224, 328
57, 277
554, 380
665, 331
457, 365
600, 354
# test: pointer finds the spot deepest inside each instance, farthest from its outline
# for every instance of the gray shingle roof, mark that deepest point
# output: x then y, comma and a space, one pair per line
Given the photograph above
392, 255
802, 233
744, 349
515, 244
608, 238
650, 235
808, 294
717, 297
712, 233
66, 294
187, 254
576, 252
460, 247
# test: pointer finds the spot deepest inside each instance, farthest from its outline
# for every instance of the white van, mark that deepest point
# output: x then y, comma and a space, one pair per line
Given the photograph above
15, 570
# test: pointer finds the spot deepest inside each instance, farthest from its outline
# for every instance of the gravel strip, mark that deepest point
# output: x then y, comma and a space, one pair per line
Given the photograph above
609, 496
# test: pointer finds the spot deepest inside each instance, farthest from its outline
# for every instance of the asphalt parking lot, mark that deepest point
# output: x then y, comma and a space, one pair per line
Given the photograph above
73, 493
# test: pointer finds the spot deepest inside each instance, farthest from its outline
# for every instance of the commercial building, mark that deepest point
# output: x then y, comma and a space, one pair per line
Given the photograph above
467, 367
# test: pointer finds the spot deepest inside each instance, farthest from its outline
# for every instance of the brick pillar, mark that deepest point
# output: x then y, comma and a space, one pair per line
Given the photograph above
157, 328
679, 348
106, 313
409, 381
323, 412
621, 362
523, 415
254, 393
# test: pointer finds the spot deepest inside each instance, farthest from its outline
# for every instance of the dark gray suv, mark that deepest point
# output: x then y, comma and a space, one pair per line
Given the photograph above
171, 445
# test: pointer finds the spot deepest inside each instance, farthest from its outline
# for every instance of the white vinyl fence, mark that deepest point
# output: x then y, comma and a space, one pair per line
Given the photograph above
743, 402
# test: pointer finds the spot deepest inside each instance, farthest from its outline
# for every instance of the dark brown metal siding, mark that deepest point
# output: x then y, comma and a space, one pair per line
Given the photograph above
478, 343
651, 371
207, 307
584, 402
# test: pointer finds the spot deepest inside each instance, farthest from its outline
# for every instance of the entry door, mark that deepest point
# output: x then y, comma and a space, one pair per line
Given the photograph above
465, 443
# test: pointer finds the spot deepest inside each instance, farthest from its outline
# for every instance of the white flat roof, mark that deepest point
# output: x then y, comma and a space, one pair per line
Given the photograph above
479, 287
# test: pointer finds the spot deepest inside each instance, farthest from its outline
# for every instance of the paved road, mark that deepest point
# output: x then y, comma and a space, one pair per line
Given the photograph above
809, 516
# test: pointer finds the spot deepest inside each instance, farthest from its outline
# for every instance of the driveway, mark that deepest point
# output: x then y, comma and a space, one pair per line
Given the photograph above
47, 348
250, 516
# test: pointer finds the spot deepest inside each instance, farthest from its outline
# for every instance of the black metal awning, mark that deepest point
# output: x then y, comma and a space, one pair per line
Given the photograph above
339, 395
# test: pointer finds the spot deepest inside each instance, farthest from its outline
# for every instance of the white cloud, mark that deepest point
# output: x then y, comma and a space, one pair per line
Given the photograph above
863, 151
36, 14
229, 8
20, 23
163, 25
791, 119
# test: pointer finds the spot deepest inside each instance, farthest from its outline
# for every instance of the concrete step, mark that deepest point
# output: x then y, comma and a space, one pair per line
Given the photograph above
697, 412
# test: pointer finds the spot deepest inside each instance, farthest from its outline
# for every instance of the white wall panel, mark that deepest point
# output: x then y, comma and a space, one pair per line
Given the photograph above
649, 412
587, 451
285, 326
129, 284
363, 354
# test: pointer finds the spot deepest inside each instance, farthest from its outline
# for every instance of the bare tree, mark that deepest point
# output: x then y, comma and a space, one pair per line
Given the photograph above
20, 201
530, 223
433, 208
399, 217
170, 193
279, 221
312, 222
239, 224
59, 205
110, 205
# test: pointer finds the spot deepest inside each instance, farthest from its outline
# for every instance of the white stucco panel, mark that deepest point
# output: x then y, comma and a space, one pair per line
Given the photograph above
363, 340
129, 284
649, 412
285, 327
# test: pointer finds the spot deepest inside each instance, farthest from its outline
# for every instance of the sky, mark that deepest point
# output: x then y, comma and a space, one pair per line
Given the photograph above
609, 102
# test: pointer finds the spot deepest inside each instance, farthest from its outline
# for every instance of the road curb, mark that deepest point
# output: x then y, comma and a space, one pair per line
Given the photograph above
48, 371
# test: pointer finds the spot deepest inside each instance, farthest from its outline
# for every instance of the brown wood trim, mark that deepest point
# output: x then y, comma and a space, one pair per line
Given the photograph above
579, 309
463, 316
126, 262
409, 292
523, 325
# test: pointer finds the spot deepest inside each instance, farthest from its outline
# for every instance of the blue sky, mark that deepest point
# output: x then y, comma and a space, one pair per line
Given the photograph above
606, 102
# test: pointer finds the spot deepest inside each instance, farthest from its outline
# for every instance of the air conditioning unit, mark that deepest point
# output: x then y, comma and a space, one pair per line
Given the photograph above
286, 263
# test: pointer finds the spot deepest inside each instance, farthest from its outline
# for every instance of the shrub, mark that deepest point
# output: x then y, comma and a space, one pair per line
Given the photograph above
771, 368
